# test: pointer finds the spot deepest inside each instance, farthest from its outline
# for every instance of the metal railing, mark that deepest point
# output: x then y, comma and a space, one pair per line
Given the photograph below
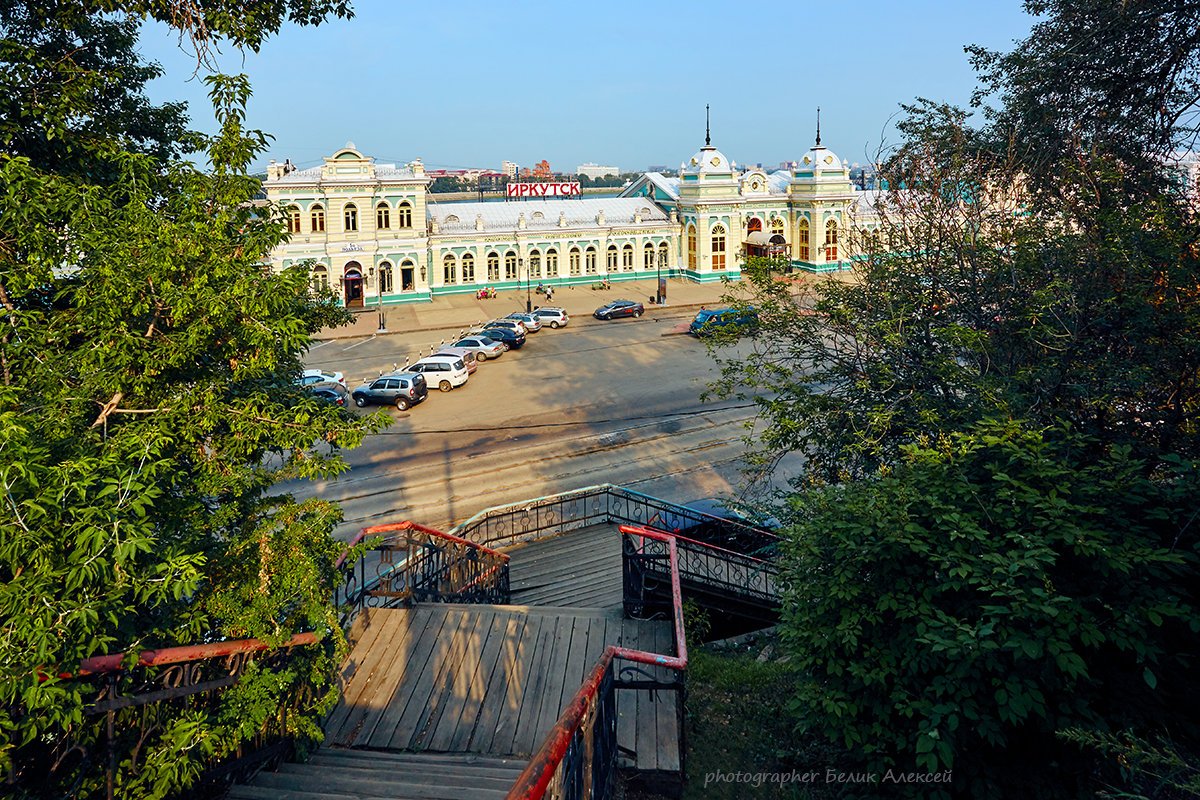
412, 563
578, 758
714, 568
102, 758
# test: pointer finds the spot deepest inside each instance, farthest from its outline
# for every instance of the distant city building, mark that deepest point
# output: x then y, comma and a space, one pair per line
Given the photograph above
374, 233
596, 171
509, 169
541, 169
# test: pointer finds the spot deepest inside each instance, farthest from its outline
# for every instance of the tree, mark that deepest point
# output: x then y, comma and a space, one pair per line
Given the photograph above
146, 396
989, 593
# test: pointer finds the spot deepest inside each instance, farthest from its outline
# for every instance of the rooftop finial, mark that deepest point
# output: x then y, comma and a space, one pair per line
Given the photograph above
818, 126
707, 140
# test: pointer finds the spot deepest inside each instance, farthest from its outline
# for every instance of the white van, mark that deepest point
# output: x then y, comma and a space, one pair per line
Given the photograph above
444, 372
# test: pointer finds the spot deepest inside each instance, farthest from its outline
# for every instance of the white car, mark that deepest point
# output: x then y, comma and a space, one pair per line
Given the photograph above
554, 317
444, 372
311, 377
531, 321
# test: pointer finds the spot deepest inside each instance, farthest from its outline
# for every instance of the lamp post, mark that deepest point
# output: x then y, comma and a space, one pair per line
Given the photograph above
528, 302
658, 285
379, 300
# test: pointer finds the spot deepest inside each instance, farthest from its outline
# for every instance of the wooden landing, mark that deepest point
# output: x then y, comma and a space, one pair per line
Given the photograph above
492, 680
581, 569
346, 774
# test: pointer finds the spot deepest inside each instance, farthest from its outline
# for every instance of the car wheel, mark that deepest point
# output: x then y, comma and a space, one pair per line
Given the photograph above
402, 403
359, 400
637, 313
481, 356
554, 325
445, 386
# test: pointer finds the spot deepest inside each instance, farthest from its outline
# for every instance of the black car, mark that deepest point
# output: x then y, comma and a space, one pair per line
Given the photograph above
332, 393
512, 338
401, 389
619, 308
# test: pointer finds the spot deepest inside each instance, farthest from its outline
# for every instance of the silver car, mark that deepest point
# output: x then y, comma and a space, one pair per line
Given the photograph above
483, 347
532, 322
554, 317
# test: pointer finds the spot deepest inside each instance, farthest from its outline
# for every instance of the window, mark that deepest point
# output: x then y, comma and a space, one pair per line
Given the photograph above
612, 258
691, 234
293, 219
662, 255
385, 277
573, 260
627, 257
551, 263
404, 215
493, 266
755, 225
320, 279
589, 260
777, 225
448, 269
317, 217
468, 268
802, 238
407, 282
718, 247
831, 240
535, 264
350, 218
510, 266
648, 256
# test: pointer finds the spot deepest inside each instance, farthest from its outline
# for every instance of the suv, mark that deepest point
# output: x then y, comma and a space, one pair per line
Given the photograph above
532, 322
401, 389
554, 317
445, 372
465, 353
711, 321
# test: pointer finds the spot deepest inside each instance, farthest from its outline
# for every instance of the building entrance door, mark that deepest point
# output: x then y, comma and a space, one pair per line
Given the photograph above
354, 287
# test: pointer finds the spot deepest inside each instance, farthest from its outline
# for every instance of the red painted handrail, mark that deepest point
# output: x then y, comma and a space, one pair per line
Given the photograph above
532, 783
176, 655
412, 526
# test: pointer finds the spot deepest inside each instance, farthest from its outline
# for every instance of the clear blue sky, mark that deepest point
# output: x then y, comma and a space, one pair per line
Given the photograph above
472, 83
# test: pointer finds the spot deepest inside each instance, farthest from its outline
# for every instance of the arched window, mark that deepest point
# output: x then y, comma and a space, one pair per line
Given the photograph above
648, 256
350, 218
317, 217
320, 279
573, 261
802, 238
831, 240
293, 219
408, 281
535, 264
551, 263
510, 266
468, 268
612, 258
776, 226
448, 270
404, 215
493, 266
755, 225
383, 217
385, 277
691, 236
627, 257
662, 255
718, 247
589, 260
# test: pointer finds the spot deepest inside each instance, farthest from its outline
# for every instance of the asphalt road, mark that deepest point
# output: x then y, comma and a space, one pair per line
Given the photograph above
595, 402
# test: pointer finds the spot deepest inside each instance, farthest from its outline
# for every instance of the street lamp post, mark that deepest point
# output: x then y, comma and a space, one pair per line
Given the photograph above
528, 302
658, 292
379, 301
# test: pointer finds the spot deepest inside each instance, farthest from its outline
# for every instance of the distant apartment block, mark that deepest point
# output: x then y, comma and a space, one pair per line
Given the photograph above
509, 169
596, 170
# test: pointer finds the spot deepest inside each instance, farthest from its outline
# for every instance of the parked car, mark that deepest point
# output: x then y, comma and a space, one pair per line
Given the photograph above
709, 321
554, 317
444, 372
333, 393
484, 347
311, 377
512, 339
532, 322
468, 356
401, 389
511, 324
619, 308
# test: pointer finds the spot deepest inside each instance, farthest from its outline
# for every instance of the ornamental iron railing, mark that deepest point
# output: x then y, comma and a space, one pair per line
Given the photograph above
142, 703
411, 563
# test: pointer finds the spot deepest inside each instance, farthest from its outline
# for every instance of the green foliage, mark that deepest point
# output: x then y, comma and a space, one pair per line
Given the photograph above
987, 593
147, 404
